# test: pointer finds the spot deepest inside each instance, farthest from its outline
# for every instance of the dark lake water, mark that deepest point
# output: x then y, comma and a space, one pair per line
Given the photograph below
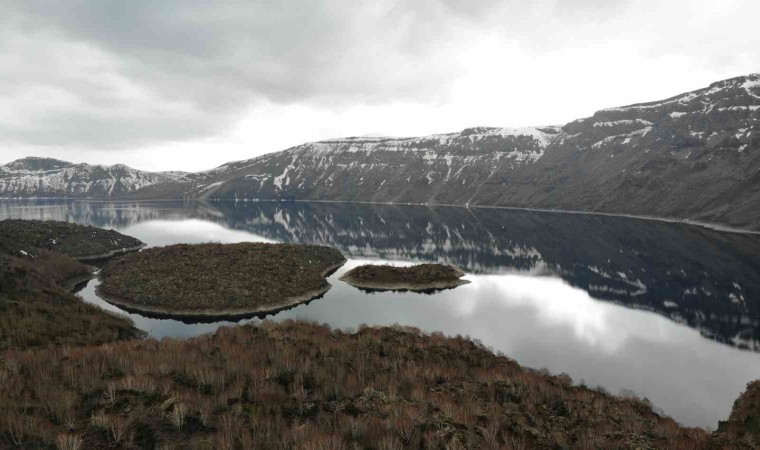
667, 310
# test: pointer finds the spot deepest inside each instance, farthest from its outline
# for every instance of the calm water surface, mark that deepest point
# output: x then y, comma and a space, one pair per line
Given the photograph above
669, 311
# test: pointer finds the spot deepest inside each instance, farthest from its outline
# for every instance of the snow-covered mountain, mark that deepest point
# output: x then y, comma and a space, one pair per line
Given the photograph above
693, 156
46, 177
370, 168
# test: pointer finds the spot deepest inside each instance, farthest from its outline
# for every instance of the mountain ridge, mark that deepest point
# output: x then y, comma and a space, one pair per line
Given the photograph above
39, 177
694, 156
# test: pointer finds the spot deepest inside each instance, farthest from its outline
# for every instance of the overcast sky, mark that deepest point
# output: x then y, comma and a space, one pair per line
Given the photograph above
180, 84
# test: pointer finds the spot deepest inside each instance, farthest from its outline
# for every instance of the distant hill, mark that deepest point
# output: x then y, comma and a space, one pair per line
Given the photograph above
47, 177
694, 156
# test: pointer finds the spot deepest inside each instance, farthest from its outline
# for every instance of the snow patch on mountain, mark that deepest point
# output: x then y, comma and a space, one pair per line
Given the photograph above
753, 82
48, 177
746, 83
684, 99
355, 144
615, 123
627, 137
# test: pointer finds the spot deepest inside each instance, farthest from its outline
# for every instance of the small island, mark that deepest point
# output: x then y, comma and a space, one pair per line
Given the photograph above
218, 280
419, 278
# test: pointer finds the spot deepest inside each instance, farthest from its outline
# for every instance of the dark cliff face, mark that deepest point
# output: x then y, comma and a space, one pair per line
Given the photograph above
694, 156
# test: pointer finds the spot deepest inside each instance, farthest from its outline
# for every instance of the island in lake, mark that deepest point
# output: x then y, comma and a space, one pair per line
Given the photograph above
219, 280
419, 278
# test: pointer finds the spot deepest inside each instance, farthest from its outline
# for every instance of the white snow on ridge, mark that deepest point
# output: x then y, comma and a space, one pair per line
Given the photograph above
430, 147
79, 179
621, 122
753, 82
628, 136
323, 151
740, 108
684, 99
544, 138
369, 143
749, 82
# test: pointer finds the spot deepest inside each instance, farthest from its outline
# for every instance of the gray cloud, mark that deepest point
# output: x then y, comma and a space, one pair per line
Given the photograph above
118, 74
210, 62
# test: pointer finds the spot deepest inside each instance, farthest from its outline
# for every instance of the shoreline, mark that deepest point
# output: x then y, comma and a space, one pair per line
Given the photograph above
159, 312
715, 226
71, 284
110, 254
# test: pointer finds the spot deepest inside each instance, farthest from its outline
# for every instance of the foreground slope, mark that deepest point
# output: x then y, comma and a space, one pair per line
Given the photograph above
37, 268
694, 156
299, 385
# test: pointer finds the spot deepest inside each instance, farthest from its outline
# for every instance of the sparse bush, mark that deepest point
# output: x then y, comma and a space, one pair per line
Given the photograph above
178, 415
68, 442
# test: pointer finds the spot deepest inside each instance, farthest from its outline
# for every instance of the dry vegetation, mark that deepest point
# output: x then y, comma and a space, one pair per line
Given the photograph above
36, 309
300, 385
219, 279
742, 429
77, 241
422, 277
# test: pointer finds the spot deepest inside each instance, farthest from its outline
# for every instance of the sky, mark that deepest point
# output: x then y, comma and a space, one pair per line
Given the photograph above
190, 84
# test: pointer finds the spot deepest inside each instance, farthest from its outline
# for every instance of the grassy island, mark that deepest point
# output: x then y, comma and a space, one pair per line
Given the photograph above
211, 280
419, 278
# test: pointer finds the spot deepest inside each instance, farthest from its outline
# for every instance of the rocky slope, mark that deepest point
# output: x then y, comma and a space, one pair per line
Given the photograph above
415, 170
693, 156
46, 177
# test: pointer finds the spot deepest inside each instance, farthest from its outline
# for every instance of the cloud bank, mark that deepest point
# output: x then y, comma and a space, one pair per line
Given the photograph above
81, 76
